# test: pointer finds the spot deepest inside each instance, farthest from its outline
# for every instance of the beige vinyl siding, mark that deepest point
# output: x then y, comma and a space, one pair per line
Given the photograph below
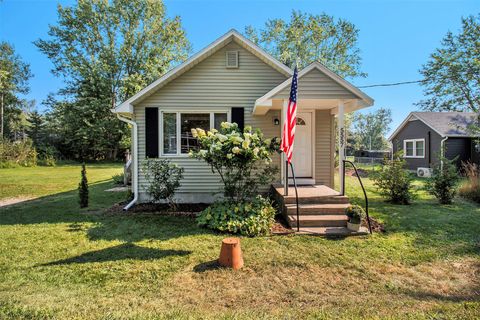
324, 147
316, 85
210, 85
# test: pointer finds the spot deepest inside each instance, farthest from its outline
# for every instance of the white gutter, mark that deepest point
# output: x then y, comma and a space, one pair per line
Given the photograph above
135, 161
442, 151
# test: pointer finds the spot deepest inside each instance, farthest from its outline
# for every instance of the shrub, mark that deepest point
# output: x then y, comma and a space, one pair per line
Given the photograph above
118, 178
17, 153
236, 156
83, 188
394, 181
163, 179
471, 188
249, 218
355, 214
47, 156
444, 181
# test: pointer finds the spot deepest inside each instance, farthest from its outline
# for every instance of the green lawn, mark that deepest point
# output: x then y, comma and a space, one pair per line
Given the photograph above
57, 261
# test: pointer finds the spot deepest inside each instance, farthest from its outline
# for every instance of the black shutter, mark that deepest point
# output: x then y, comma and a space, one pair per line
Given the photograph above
151, 132
238, 117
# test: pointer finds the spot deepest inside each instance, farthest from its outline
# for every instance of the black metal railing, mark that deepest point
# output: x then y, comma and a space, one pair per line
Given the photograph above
286, 186
363, 189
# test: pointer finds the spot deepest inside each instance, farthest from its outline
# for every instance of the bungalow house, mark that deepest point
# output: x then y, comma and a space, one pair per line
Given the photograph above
424, 135
234, 80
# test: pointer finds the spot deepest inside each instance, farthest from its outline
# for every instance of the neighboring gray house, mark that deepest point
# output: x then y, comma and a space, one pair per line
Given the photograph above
234, 80
422, 136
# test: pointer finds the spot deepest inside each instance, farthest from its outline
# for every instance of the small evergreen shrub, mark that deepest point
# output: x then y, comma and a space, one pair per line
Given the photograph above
443, 183
163, 179
249, 218
471, 188
355, 214
394, 181
83, 188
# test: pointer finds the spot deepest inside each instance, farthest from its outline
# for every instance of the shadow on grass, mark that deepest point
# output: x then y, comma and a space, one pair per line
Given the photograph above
60, 207
121, 252
207, 266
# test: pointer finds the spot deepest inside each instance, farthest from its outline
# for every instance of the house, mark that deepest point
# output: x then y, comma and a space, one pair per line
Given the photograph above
423, 135
234, 80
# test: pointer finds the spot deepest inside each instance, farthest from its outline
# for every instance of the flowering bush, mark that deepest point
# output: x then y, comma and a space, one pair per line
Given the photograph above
236, 156
252, 218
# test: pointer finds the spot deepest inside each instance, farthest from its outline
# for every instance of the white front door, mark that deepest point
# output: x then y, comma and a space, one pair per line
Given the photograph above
302, 149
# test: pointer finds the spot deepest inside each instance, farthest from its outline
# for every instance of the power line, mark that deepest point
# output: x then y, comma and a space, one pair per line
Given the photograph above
391, 84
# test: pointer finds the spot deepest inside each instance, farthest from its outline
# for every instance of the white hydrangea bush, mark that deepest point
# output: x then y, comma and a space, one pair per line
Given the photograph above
237, 157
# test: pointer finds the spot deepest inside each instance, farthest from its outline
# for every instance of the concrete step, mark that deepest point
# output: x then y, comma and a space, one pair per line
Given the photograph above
331, 231
318, 220
290, 199
317, 209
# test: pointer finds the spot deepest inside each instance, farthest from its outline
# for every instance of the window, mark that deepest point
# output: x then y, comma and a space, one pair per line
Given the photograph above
177, 128
414, 148
188, 122
169, 133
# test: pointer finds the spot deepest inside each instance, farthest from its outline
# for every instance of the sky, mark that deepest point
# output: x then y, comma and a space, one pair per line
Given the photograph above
396, 37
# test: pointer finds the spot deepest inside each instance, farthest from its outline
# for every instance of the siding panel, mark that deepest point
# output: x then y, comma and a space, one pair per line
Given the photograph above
316, 85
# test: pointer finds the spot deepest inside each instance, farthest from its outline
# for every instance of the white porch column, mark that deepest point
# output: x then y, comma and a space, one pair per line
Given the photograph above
341, 143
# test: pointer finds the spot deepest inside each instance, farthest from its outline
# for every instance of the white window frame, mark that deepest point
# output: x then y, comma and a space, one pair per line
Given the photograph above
178, 124
414, 141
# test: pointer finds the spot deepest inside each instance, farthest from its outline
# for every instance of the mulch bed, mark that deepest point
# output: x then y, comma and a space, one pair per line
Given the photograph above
351, 173
280, 227
184, 210
376, 226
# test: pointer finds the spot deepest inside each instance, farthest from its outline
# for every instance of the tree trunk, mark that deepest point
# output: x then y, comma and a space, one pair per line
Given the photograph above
1, 116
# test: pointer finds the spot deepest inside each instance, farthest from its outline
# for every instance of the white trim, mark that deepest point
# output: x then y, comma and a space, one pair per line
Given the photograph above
414, 141
341, 143
127, 106
264, 100
179, 153
411, 116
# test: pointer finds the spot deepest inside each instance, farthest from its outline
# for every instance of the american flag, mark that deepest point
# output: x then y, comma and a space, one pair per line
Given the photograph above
290, 119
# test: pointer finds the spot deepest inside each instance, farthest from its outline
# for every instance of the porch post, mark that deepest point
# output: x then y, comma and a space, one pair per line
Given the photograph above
341, 144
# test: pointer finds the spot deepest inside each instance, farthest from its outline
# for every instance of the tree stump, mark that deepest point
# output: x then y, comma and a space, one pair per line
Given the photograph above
231, 254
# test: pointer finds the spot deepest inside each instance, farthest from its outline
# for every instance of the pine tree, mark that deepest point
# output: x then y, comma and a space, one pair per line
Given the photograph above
36, 128
83, 189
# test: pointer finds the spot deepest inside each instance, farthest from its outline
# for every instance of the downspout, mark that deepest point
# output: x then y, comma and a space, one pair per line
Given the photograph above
442, 151
135, 160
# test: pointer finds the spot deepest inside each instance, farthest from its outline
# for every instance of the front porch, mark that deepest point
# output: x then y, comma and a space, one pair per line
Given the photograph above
321, 210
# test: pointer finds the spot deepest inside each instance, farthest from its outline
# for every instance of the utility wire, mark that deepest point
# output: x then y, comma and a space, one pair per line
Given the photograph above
391, 84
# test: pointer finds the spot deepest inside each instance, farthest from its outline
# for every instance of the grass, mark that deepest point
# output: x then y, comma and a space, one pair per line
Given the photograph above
57, 261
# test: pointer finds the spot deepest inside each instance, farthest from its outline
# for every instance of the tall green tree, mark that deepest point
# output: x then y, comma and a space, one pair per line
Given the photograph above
307, 38
36, 128
14, 77
369, 129
106, 51
452, 74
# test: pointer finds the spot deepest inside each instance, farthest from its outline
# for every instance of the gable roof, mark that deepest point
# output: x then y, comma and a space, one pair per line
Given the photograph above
232, 35
368, 101
446, 124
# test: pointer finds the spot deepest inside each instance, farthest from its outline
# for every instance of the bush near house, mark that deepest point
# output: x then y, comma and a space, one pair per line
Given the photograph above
243, 161
394, 182
471, 188
252, 218
163, 180
443, 183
